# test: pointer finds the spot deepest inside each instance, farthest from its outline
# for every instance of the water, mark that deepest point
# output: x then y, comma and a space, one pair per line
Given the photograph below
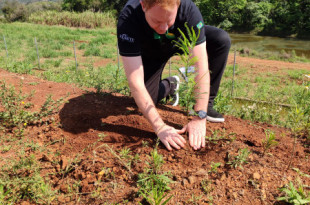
272, 44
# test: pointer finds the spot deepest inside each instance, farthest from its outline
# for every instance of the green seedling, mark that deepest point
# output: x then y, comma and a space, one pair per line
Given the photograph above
152, 184
188, 90
214, 167
218, 135
294, 196
207, 188
270, 141
125, 153
240, 159
127, 165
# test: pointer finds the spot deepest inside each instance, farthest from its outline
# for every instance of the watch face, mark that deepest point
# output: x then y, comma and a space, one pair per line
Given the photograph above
202, 114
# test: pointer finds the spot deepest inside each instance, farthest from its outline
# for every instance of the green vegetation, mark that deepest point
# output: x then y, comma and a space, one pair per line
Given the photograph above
20, 179
240, 159
16, 115
188, 88
153, 183
270, 141
71, 19
264, 17
295, 196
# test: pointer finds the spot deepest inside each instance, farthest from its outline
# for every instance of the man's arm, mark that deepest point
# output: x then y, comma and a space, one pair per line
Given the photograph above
135, 76
197, 127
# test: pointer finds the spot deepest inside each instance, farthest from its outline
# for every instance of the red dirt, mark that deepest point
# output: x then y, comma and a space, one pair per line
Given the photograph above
73, 133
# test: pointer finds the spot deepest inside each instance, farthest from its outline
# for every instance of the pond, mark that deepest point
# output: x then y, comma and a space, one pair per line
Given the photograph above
272, 44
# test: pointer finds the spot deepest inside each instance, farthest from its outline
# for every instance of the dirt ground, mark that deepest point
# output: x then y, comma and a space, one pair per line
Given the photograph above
73, 135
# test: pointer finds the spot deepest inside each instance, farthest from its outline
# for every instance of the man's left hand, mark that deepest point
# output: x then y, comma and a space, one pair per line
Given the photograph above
196, 129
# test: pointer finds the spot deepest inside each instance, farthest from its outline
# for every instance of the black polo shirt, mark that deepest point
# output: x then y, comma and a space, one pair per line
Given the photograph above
137, 38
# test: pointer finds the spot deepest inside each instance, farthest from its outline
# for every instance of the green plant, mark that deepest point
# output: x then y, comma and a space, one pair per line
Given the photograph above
214, 167
186, 45
153, 185
293, 195
16, 116
270, 141
207, 188
21, 180
240, 159
218, 135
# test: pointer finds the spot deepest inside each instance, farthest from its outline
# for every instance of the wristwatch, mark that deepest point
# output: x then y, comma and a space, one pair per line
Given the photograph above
201, 114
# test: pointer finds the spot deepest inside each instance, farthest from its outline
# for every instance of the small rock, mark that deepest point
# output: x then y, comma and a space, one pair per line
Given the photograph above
192, 179
45, 158
217, 182
61, 199
63, 162
263, 194
57, 167
201, 172
25, 203
241, 192
235, 195
256, 176
223, 177
64, 188
185, 182
170, 158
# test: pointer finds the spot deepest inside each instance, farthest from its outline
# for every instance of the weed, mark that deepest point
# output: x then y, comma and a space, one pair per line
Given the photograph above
125, 153
145, 143
207, 189
15, 116
218, 135
21, 180
214, 167
293, 195
153, 185
122, 162
270, 141
240, 159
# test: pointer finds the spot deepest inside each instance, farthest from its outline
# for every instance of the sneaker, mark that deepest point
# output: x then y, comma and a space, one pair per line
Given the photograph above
174, 94
214, 116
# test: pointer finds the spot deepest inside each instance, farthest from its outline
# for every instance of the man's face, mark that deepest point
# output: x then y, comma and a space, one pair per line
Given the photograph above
159, 18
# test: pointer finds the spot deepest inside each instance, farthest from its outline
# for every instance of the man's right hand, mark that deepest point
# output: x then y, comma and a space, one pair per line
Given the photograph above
170, 136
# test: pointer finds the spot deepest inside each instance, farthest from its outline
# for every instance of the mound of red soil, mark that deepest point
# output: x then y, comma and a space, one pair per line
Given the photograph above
84, 170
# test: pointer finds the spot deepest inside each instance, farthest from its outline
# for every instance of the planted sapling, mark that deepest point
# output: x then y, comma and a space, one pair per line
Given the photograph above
188, 90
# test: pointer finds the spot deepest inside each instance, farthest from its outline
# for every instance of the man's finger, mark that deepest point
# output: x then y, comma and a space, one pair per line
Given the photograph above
204, 141
173, 144
180, 141
182, 131
181, 138
191, 139
167, 145
199, 141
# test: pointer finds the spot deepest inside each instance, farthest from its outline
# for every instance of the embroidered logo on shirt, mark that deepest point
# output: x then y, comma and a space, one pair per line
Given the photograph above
125, 37
199, 25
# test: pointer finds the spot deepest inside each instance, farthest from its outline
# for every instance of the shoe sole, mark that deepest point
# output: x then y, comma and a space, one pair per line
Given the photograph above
213, 119
176, 89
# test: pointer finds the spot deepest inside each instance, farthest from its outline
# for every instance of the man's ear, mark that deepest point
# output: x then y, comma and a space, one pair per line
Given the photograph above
142, 4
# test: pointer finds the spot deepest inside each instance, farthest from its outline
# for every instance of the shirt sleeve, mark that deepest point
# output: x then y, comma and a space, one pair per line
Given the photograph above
194, 20
128, 36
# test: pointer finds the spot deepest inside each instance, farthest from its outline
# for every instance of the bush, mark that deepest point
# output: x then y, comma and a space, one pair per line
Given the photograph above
14, 11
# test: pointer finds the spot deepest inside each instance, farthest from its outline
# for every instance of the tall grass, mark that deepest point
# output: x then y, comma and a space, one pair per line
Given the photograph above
86, 19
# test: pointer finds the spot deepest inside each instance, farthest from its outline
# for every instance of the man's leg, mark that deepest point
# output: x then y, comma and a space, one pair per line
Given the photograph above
157, 88
218, 45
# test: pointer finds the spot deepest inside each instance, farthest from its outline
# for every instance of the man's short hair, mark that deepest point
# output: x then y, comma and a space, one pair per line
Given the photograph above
167, 4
